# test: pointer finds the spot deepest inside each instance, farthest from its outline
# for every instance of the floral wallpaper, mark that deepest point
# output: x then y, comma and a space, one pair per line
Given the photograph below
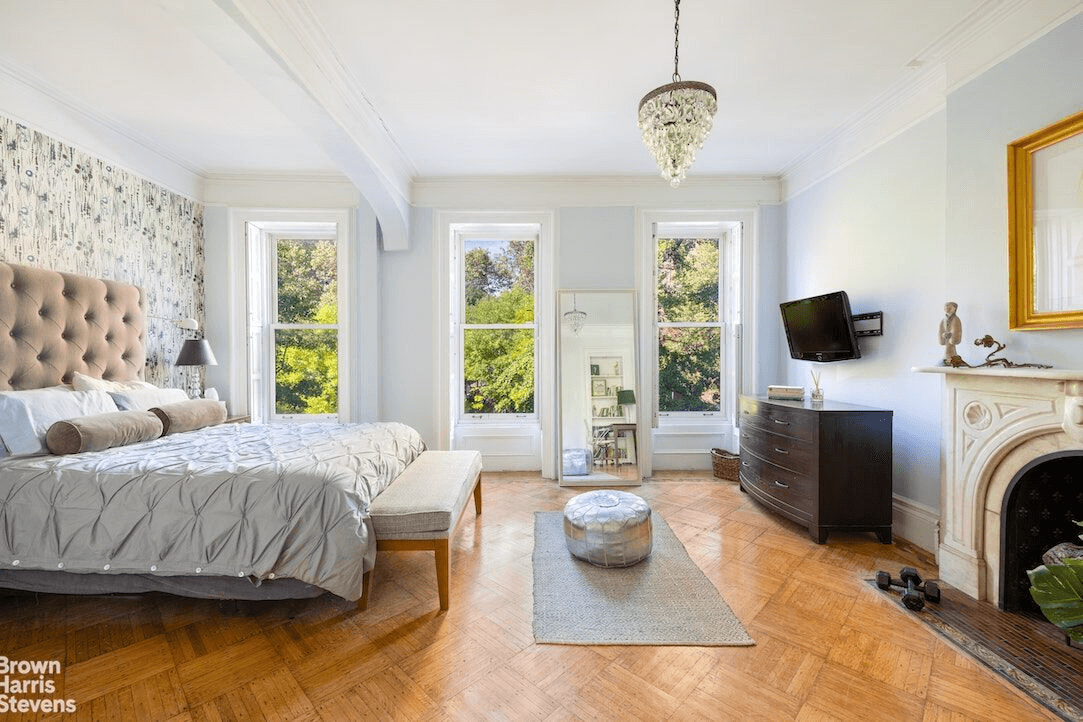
68, 211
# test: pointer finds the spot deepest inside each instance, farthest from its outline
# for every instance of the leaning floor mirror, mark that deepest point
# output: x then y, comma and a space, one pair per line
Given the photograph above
599, 393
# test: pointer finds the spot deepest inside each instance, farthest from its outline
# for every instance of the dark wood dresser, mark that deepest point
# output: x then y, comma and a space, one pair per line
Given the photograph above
825, 465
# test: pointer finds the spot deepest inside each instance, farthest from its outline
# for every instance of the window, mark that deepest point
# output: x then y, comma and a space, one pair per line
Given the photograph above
295, 320
494, 319
689, 325
305, 331
695, 305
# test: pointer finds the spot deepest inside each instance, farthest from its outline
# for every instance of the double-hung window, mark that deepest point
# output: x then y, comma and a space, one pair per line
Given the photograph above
295, 324
496, 335
696, 308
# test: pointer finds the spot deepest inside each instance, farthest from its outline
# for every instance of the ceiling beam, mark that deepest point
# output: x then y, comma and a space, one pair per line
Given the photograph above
282, 53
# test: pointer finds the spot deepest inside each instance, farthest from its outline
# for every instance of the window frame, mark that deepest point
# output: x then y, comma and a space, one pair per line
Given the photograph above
728, 322
497, 231
261, 246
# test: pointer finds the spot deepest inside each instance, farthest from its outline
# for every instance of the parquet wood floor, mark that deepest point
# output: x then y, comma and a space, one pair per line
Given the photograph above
829, 645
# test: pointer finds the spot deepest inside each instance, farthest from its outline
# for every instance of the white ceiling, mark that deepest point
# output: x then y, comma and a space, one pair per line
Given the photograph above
441, 88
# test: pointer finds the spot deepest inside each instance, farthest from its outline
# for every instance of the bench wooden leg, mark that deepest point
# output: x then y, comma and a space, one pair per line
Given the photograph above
477, 496
443, 571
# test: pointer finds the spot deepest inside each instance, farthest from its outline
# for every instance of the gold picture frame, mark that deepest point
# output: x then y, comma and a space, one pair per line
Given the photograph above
1045, 227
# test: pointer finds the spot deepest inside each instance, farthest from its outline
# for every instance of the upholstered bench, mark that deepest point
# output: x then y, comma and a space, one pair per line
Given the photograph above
421, 508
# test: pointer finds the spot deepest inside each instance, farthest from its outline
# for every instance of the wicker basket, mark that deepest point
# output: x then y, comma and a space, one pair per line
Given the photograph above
726, 465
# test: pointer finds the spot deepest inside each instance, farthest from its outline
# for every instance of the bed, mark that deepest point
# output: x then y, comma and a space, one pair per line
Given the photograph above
222, 511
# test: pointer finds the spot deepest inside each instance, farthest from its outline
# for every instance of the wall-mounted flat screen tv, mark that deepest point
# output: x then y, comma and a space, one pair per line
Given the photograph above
820, 328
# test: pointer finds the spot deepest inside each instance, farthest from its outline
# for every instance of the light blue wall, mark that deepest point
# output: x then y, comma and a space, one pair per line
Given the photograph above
596, 248
876, 231
921, 220
1039, 85
408, 355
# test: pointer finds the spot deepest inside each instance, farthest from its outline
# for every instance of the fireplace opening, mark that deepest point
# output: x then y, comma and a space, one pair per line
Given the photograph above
1040, 508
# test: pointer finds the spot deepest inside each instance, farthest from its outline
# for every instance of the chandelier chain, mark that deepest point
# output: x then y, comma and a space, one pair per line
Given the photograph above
676, 39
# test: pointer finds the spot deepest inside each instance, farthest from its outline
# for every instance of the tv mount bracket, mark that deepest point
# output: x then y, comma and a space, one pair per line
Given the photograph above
868, 324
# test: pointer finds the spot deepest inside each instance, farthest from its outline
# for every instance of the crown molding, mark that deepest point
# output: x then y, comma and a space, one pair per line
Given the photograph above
271, 190
568, 191
985, 37
31, 101
886, 117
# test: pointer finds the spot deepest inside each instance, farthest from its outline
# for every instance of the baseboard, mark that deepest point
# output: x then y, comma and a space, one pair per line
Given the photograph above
916, 523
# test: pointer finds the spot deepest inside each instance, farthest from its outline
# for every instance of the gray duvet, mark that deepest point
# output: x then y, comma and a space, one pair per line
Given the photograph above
236, 500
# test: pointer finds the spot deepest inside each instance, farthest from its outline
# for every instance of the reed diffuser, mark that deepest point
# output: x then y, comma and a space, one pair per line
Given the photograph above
817, 390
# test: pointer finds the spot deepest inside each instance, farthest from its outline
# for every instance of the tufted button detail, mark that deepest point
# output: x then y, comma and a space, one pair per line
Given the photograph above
60, 565
271, 575
43, 312
199, 570
15, 563
106, 567
240, 574
42, 357
154, 567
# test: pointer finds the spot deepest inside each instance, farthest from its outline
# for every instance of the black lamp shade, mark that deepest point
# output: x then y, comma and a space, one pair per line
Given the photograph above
196, 352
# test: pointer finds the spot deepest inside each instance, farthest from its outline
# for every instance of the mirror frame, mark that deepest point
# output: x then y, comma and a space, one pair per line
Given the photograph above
1022, 314
635, 350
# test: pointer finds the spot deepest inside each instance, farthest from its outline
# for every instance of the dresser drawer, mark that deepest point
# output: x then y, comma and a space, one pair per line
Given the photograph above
796, 455
780, 484
778, 419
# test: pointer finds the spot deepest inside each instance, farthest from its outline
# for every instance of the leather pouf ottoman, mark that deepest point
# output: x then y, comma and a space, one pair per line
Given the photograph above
608, 528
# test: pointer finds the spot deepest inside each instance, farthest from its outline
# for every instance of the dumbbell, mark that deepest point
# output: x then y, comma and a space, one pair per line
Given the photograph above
915, 594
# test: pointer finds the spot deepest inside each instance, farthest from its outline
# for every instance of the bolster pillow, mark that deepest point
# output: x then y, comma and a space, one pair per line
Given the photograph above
190, 415
102, 431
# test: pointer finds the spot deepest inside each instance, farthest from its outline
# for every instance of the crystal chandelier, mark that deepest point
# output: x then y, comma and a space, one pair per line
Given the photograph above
677, 117
575, 318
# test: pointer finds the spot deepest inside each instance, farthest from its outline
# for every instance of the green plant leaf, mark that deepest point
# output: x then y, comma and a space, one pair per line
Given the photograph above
1058, 590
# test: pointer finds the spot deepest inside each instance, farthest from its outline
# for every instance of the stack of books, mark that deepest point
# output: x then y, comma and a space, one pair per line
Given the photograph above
789, 393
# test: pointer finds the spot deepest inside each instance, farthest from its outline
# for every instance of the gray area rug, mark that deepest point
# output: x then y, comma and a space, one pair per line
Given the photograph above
664, 599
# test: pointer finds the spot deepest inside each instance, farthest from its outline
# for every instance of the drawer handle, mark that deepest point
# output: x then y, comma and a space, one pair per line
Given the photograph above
781, 451
780, 421
779, 483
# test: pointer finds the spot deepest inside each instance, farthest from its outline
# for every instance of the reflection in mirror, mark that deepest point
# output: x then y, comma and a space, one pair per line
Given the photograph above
598, 389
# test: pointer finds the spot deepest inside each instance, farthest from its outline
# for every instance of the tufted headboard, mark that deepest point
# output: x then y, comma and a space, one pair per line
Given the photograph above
53, 323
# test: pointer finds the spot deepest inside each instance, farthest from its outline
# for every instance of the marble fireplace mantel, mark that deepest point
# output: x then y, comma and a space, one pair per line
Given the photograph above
994, 423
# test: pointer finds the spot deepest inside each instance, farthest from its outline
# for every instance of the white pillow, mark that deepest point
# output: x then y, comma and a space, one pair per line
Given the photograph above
144, 399
82, 382
25, 416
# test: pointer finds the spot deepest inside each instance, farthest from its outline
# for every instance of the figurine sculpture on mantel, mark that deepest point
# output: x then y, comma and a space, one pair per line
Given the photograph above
951, 333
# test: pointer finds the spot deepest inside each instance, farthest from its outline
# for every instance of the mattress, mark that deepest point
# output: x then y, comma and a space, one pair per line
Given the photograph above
256, 502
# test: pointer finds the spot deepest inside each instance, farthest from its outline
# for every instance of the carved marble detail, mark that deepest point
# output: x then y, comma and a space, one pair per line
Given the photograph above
995, 422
